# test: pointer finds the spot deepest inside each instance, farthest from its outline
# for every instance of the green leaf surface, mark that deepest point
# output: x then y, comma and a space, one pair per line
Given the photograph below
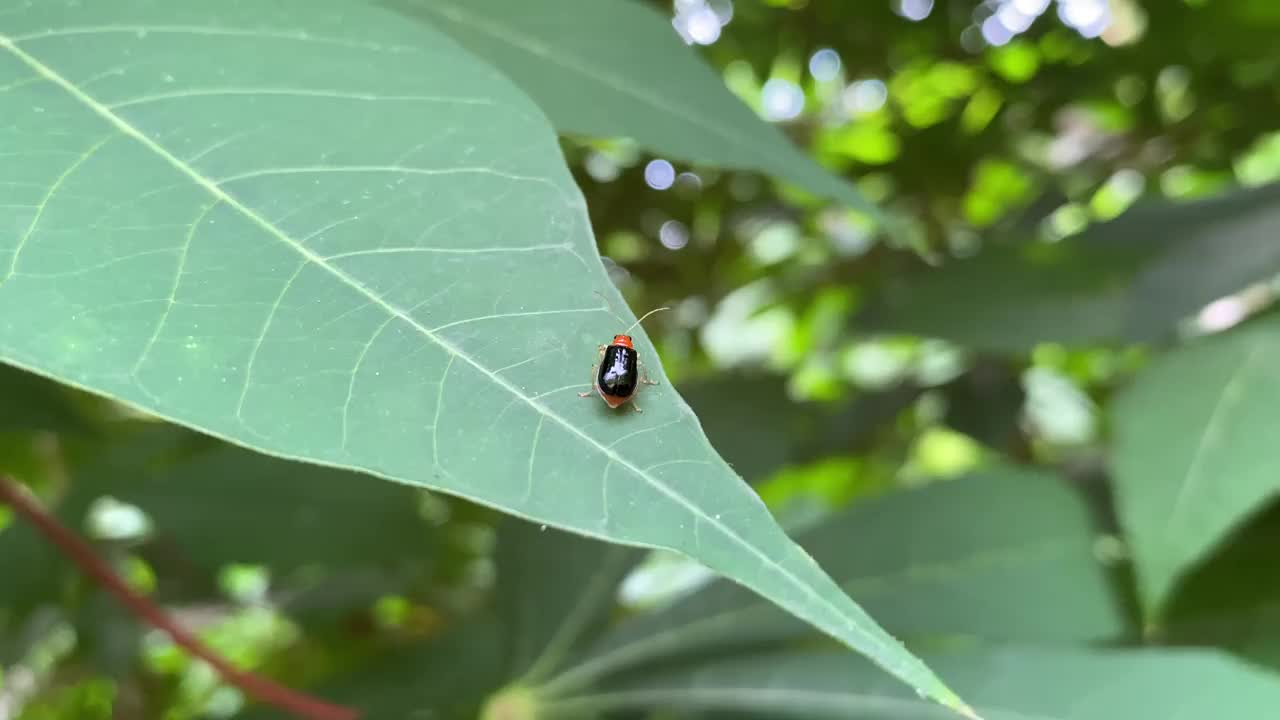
1005, 555
1015, 683
1194, 450
1130, 279
616, 68
320, 231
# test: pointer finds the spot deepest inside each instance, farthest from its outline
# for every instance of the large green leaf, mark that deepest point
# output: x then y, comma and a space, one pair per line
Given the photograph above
1130, 279
610, 68
1194, 451
325, 233
1016, 683
924, 565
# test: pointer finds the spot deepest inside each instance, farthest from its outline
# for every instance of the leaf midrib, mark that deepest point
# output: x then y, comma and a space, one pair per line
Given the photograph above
755, 697
1228, 397
209, 186
690, 632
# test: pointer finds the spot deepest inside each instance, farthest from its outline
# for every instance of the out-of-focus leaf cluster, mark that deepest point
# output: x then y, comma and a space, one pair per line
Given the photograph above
1077, 225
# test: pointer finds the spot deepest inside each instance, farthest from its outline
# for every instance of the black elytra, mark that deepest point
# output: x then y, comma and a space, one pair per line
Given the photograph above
619, 373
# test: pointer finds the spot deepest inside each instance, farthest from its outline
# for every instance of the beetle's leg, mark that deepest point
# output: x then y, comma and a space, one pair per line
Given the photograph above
635, 407
593, 381
644, 377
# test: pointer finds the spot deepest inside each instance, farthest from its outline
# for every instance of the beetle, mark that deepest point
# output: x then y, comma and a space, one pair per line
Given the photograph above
617, 373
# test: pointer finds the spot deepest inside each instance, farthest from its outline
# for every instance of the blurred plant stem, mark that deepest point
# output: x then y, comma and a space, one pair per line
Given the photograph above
262, 689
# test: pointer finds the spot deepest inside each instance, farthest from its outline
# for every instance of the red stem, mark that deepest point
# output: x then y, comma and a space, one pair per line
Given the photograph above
262, 689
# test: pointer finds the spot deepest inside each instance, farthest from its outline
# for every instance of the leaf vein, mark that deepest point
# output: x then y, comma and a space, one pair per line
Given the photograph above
499, 316
141, 31
533, 453
261, 338
294, 92
448, 251
592, 71
44, 203
1228, 397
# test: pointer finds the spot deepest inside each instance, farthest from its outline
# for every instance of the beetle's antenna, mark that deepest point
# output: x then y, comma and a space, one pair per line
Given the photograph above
645, 316
611, 310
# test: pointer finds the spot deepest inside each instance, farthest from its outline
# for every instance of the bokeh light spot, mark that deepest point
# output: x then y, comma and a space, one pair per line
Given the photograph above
659, 174
915, 9
783, 99
824, 65
995, 32
1087, 17
865, 96
673, 235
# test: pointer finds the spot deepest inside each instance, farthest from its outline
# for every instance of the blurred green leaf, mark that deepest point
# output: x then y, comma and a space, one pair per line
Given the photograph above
607, 68
987, 403
784, 431
1130, 279
1229, 600
869, 141
554, 589
444, 679
927, 90
1006, 554
211, 505
998, 187
227, 505
30, 402
89, 699
1014, 683
981, 110
1016, 62
282, 260
1194, 450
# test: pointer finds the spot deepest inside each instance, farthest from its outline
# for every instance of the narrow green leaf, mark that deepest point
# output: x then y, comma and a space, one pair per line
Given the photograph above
319, 231
616, 68
1194, 450
1130, 279
1026, 572
1016, 683
554, 589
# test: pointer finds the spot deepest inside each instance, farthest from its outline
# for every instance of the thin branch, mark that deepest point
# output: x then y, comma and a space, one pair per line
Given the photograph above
259, 688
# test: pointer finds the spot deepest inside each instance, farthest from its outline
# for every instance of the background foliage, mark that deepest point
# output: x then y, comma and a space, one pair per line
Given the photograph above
1005, 373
